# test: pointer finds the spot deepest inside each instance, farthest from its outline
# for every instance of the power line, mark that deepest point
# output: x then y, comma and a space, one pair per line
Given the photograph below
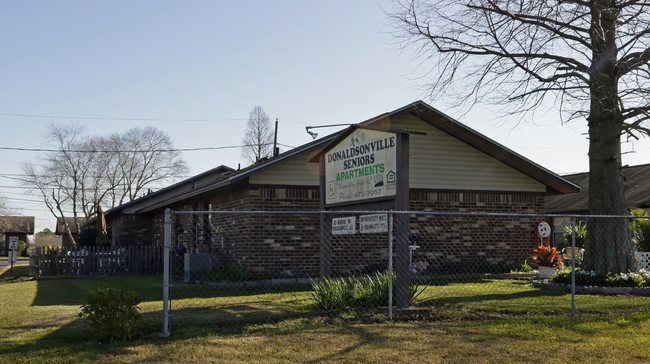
112, 118
131, 151
137, 119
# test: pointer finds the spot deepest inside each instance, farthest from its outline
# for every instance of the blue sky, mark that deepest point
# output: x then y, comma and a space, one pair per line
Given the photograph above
196, 68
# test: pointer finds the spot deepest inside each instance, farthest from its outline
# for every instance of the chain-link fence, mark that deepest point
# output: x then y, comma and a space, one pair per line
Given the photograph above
227, 266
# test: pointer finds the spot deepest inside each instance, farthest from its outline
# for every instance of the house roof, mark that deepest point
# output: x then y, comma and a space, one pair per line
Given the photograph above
60, 225
555, 184
212, 180
637, 191
223, 176
209, 177
17, 224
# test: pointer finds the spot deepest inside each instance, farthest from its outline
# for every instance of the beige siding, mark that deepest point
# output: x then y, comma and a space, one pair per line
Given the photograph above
294, 171
439, 161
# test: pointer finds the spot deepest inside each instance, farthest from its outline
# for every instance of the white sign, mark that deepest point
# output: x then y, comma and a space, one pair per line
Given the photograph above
377, 223
362, 166
13, 243
344, 225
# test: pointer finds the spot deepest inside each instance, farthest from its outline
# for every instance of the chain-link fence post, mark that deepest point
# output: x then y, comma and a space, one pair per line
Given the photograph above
573, 267
390, 267
166, 271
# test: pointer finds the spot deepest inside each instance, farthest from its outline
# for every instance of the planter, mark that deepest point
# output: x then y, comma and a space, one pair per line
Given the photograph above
546, 272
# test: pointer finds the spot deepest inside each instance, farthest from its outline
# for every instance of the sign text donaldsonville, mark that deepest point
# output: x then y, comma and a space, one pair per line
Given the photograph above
362, 166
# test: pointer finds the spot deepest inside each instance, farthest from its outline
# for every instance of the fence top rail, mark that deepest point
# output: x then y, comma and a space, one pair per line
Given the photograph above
397, 212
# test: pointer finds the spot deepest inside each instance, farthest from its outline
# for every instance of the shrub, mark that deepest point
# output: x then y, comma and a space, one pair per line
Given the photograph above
22, 248
581, 235
642, 235
113, 313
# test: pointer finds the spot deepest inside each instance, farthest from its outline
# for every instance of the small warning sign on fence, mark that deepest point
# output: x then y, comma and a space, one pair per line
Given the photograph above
377, 223
344, 225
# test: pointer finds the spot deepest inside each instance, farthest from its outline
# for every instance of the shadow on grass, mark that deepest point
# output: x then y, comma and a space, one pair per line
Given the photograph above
19, 273
76, 341
73, 291
455, 300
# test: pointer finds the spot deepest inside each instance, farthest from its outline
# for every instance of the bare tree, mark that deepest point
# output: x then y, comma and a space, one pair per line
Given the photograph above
87, 172
4, 207
143, 157
61, 177
589, 57
5, 211
258, 141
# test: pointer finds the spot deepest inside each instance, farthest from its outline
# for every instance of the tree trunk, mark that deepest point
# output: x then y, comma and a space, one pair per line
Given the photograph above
608, 247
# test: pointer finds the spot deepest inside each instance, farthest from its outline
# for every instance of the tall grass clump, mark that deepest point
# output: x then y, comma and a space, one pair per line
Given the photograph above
332, 293
356, 291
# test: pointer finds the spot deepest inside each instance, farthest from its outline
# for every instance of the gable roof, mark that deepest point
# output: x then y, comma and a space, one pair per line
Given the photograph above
223, 176
555, 184
61, 229
637, 191
17, 225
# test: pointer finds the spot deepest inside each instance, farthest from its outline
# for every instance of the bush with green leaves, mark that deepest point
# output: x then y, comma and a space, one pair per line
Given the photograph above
642, 234
525, 267
356, 291
113, 313
581, 235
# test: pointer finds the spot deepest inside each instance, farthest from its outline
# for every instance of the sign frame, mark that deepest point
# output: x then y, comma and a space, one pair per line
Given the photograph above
361, 167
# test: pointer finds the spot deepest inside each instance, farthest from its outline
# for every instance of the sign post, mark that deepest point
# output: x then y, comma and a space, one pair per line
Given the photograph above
367, 169
13, 247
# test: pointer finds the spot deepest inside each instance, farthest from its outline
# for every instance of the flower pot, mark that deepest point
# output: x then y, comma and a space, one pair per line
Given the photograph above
546, 272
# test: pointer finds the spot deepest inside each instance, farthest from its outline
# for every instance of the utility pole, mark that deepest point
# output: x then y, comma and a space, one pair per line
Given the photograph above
276, 151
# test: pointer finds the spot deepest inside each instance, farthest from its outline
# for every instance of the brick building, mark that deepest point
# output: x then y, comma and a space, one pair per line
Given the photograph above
15, 226
451, 168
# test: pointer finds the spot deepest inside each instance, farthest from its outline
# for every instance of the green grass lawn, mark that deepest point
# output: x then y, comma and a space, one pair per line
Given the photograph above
481, 321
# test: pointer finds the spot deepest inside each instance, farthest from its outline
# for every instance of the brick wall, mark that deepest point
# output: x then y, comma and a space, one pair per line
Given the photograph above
268, 244
289, 244
450, 242
132, 230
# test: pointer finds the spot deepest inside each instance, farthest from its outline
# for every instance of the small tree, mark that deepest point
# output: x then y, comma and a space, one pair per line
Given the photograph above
258, 141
